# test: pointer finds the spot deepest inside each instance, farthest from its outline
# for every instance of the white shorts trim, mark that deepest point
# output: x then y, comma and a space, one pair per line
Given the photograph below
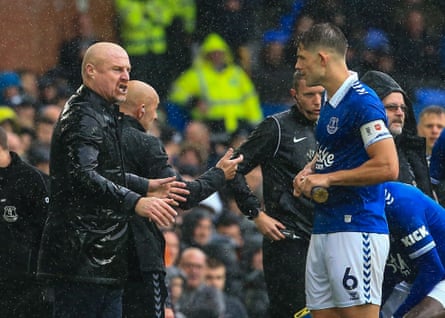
345, 269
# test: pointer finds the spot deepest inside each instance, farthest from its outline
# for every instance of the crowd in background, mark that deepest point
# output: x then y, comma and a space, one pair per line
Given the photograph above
404, 38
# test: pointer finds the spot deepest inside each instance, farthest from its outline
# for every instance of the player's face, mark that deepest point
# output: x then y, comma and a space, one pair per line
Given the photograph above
309, 100
395, 110
308, 64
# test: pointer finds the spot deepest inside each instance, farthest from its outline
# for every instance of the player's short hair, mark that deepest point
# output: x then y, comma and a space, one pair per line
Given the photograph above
324, 35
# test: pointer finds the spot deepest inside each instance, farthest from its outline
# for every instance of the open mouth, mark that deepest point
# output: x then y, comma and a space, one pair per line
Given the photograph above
123, 88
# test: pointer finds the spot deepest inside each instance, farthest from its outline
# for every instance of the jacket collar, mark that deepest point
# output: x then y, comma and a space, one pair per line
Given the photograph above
129, 121
300, 118
97, 100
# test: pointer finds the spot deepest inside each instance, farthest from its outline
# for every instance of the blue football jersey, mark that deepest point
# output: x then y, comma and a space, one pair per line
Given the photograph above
417, 230
349, 122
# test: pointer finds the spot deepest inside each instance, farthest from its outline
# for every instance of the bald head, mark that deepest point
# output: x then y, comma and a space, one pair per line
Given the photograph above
106, 71
141, 103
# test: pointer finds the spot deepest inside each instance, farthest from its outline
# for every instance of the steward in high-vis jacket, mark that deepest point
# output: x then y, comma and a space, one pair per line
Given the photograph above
216, 90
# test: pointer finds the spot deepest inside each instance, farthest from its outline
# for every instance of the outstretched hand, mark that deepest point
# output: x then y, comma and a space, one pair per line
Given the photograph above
229, 166
157, 210
168, 188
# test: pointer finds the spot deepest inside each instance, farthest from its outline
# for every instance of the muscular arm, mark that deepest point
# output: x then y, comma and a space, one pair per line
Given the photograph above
383, 165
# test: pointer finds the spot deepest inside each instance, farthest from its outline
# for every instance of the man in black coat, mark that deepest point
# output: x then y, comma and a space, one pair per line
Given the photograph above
282, 145
85, 239
24, 203
144, 155
413, 167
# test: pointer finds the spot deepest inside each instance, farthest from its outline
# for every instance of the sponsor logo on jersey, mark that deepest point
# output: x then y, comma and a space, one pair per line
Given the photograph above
324, 159
415, 236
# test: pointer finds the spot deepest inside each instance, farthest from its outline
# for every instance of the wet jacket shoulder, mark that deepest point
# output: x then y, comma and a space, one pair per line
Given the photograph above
86, 232
24, 206
282, 145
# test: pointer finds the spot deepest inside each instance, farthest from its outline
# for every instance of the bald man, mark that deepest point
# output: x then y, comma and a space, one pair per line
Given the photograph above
85, 239
144, 155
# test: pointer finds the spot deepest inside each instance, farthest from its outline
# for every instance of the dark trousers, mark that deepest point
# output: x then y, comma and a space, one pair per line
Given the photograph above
147, 298
284, 265
74, 300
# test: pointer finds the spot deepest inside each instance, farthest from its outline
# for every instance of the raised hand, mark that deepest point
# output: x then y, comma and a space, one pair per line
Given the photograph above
229, 166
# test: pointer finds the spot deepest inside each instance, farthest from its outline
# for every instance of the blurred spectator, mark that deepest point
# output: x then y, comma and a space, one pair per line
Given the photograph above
8, 119
217, 90
44, 130
172, 247
38, 156
216, 277
30, 84
143, 26
430, 125
233, 20
416, 51
72, 51
255, 291
198, 300
228, 224
273, 68
26, 113
197, 227
10, 89
50, 112
175, 279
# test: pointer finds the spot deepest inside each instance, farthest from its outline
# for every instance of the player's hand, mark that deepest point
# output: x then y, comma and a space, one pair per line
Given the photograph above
229, 166
157, 210
168, 188
269, 227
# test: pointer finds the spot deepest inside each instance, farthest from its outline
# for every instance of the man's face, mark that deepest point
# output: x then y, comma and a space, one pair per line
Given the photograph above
308, 100
194, 266
430, 126
396, 111
216, 277
308, 64
110, 77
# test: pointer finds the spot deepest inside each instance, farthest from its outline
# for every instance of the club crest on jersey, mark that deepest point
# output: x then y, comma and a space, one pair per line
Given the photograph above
10, 214
332, 126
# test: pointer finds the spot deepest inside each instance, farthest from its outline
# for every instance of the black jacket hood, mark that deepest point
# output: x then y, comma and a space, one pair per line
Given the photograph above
383, 85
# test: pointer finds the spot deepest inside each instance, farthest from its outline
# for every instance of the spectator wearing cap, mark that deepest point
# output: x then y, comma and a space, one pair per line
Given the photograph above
10, 89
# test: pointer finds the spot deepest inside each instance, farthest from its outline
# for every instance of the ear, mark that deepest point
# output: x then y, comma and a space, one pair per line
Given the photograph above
292, 92
324, 57
141, 111
90, 70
